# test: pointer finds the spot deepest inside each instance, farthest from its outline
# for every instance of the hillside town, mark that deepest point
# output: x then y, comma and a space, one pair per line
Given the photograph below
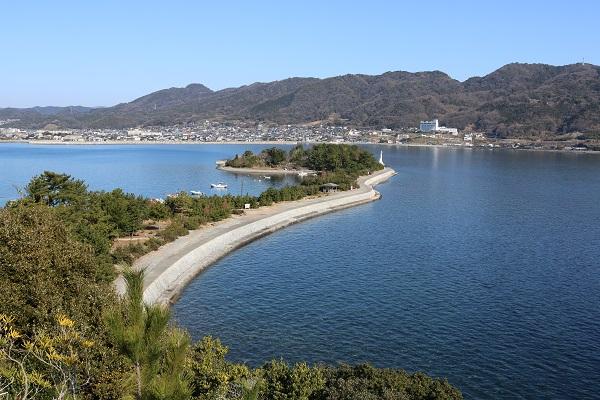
427, 133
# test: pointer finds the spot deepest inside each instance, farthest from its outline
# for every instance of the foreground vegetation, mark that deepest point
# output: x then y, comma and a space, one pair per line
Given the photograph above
65, 334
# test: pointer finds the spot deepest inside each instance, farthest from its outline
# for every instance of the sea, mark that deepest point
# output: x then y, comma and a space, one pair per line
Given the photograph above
480, 266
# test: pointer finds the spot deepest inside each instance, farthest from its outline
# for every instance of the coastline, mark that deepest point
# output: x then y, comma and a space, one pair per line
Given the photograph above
281, 142
139, 142
261, 171
170, 268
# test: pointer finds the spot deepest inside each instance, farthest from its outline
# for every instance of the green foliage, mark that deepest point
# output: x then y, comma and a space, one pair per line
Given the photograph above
191, 212
173, 382
341, 157
89, 222
181, 203
288, 193
175, 229
246, 160
45, 270
125, 211
364, 382
297, 155
54, 247
274, 156
95, 217
53, 189
156, 352
213, 377
343, 179
324, 157
52, 363
127, 254
158, 211
282, 382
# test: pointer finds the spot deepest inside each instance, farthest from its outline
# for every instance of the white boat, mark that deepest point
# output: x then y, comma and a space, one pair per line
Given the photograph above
196, 193
302, 174
219, 185
267, 177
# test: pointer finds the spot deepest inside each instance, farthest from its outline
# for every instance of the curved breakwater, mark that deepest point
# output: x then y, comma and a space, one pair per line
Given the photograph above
170, 268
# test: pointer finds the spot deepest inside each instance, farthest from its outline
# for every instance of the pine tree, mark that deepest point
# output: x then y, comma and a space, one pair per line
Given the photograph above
157, 352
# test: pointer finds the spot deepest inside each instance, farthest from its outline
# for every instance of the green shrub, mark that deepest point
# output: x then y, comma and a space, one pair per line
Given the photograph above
364, 382
153, 243
282, 382
175, 229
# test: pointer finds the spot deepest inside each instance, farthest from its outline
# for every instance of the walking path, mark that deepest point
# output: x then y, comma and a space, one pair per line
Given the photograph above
170, 268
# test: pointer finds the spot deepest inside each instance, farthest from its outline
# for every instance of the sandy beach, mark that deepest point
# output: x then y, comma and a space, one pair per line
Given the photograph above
170, 268
261, 171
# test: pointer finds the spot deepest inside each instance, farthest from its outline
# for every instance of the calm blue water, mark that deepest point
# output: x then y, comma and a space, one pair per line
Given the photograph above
150, 170
480, 266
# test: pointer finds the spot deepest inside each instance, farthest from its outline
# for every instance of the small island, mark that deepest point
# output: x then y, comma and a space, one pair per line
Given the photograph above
320, 166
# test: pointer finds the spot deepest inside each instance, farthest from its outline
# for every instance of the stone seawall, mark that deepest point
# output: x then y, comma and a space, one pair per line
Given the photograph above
179, 271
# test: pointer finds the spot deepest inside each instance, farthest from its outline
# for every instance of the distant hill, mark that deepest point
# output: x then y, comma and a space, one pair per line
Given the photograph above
516, 100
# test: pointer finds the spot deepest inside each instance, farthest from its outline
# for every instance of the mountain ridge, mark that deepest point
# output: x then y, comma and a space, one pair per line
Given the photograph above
515, 100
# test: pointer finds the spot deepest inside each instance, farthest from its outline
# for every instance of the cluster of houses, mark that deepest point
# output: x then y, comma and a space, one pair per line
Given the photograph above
207, 131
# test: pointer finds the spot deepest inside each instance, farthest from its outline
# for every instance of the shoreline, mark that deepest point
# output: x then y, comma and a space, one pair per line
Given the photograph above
261, 171
279, 142
170, 268
144, 143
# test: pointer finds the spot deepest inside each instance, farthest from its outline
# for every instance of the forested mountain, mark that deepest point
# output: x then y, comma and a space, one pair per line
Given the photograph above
515, 100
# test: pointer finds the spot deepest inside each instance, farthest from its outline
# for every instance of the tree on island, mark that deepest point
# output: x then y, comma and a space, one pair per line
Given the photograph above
274, 156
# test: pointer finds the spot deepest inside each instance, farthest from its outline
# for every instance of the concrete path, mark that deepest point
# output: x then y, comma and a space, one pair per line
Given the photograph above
172, 266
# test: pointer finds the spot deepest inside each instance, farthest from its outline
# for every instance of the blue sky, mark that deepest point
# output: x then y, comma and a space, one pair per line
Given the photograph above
105, 52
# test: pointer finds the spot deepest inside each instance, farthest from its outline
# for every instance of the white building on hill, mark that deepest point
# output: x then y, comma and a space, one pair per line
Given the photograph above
452, 131
429, 126
434, 126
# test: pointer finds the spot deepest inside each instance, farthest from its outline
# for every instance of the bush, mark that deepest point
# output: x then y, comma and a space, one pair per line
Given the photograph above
158, 211
175, 229
213, 376
45, 270
193, 222
127, 254
246, 160
364, 382
280, 381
